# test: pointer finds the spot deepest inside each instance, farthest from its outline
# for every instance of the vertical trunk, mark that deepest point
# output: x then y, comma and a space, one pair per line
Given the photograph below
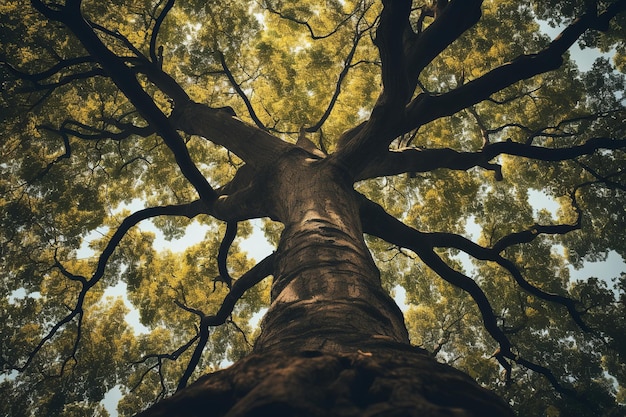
327, 294
333, 342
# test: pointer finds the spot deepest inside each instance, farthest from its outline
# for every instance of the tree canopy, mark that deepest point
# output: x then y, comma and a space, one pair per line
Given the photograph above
451, 118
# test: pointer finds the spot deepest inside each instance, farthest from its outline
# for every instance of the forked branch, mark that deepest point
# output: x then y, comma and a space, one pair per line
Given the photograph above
426, 160
124, 78
239, 287
425, 108
294, 19
379, 223
156, 57
188, 210
240, 92
347, 65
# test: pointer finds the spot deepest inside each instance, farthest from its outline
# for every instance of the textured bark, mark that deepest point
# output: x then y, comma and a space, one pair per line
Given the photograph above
381, 382
327, 293
333, 342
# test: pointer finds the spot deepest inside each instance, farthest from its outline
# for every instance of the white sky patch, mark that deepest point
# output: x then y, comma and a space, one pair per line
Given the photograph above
257, 246
612, 267
363, 113
299, 48
194, 234
540, 200
399, 295
20, 294
584, 57
255, 320
132, 317
85, 252
260, 17
192, 30
110, 400
472, 229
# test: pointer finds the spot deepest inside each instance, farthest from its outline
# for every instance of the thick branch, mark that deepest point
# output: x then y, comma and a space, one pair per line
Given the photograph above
425, 108
125, 80
425, 160
163, 81
155, 32
222, 255
253, 145
457, 17
378, 223
394, 23
395, 39
450, 240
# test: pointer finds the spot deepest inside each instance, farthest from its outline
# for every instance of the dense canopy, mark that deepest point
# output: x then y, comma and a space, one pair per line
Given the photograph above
489, 168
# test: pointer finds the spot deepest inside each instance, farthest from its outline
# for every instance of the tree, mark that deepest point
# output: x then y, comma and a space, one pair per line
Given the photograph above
384, 145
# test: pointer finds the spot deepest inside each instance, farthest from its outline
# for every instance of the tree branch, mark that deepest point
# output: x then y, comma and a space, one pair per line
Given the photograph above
126, 81
65, 155
347, 65
605, 179
425, 108
400, 55
188, 210
126, 130
425, 160
306, 24
117, 35
377, 222
240, 92
394, 22
222, 255
239, 287
457, 17
254, 146
50, 72
156, 60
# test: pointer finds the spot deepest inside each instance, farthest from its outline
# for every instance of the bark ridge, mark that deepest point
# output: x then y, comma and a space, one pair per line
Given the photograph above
387, 381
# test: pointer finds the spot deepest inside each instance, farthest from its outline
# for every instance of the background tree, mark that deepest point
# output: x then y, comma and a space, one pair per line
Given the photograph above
430, 127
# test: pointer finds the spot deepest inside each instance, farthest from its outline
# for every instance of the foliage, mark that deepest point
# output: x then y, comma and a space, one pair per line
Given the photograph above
79, 156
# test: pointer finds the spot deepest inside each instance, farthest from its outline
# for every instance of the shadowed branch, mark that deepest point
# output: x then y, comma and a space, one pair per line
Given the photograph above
239, 287
425, 108
347, 65
301, 22
240, 92
425, 160
157, 59
378, 222
188, 210
124, 78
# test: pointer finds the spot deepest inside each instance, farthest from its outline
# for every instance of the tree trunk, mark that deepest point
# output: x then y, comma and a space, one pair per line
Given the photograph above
333, 342
326, 293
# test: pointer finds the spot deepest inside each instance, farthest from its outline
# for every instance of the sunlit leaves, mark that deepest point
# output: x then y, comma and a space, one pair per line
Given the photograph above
557, 13
76, 158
